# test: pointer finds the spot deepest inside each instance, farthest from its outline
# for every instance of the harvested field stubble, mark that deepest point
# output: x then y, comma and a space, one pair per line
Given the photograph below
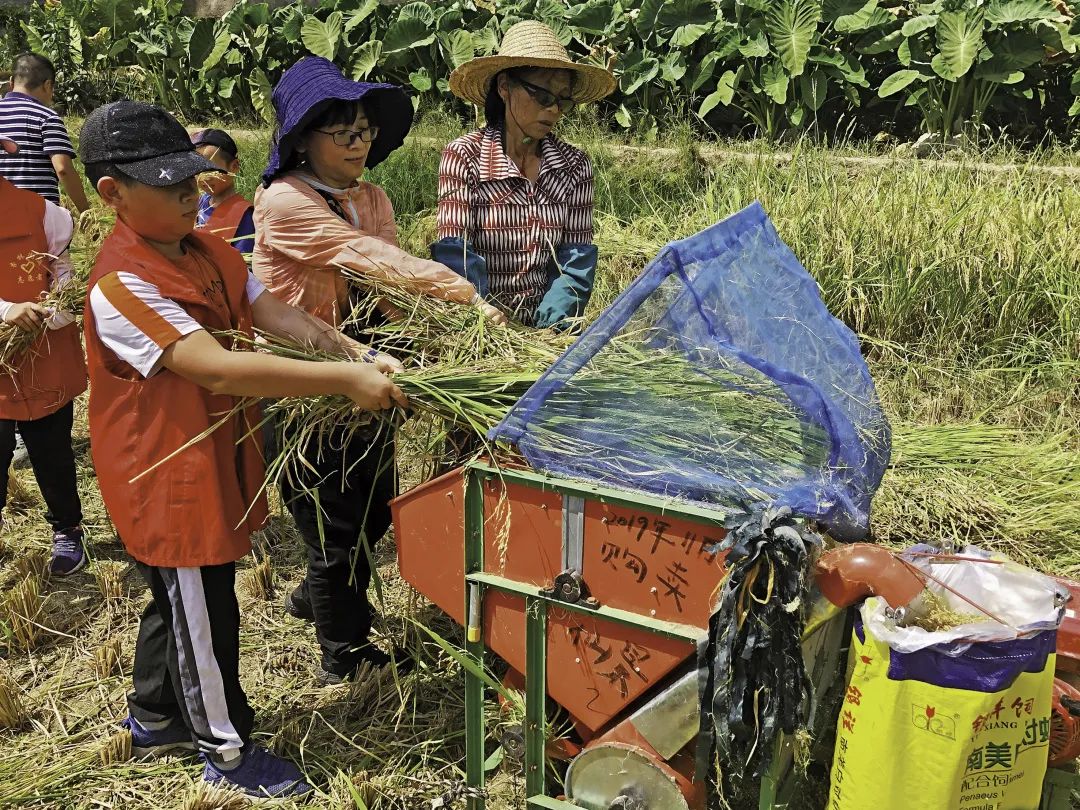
963, 284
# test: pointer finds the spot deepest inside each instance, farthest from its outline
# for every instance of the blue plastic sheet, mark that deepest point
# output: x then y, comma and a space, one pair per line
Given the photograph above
739, 389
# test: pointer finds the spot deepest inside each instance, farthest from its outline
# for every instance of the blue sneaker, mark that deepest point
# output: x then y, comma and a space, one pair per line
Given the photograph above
68, 554
147, 743
260, 775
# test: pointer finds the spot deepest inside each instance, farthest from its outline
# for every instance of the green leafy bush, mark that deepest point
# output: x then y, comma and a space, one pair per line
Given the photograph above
777, 66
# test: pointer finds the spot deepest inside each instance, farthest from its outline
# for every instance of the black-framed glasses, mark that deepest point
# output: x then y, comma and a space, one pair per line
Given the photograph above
347, 137
545, 98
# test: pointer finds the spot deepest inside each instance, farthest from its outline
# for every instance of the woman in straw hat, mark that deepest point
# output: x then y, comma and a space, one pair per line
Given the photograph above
313, 214
515, 202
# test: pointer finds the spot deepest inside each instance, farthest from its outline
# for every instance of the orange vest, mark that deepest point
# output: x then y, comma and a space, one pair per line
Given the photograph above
199, 507
52, 372
226, 218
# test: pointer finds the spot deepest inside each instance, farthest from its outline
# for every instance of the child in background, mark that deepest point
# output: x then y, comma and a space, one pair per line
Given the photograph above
223, 211
38, 396
160, 298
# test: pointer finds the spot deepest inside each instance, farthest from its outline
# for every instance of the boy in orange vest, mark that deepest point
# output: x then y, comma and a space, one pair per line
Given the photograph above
223, 210
37, 397
162, 372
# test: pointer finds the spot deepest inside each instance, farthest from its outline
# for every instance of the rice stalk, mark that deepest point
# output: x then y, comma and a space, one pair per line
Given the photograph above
107, 658
22, 496
13, 713
22, 609
16, 342
205, 796
260, 579
109, 578
31, 563
116, 748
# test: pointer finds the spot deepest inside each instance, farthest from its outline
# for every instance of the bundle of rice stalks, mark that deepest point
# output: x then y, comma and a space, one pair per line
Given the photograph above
205, 796
116, 748
15, 342
109, 577
31, 563
22, 609
260, 579
13, 713
107, 658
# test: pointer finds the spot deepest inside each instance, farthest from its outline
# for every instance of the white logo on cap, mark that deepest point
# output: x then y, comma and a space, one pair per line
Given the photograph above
165, 175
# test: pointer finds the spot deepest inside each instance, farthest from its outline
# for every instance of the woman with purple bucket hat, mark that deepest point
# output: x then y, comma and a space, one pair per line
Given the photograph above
313, 214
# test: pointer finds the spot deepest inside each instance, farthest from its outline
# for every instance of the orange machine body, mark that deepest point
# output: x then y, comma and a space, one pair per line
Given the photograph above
632, 559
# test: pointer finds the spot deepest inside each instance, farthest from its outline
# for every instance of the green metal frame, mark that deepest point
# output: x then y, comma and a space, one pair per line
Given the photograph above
536, 607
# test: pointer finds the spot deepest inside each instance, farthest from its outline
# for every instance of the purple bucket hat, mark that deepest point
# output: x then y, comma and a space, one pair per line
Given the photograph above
305, 90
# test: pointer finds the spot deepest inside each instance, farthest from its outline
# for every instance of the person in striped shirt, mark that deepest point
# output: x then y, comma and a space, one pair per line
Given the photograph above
515, 210
44, 161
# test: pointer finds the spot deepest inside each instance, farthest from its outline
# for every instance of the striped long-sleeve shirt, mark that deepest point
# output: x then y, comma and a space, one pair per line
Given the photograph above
513, 223
40, 134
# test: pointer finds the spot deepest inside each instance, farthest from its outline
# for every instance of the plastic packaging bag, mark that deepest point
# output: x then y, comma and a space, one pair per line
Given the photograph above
950, 722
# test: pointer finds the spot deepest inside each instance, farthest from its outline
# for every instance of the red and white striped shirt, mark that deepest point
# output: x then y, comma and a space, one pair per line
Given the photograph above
513, 223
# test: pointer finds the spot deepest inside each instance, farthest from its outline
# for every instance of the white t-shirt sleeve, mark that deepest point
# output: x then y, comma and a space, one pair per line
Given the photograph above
254, 287
134, 320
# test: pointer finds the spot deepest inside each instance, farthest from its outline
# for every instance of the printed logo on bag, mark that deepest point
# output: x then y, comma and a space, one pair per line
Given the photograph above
928, 718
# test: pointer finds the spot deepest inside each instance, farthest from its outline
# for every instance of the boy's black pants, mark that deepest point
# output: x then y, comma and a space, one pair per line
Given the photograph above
353, 480
48, 444
187, 656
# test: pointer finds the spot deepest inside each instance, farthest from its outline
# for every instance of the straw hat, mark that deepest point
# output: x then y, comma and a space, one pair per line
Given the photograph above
529, 44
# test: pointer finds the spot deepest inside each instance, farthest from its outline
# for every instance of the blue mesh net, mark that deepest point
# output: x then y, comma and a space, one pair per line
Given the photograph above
717, 376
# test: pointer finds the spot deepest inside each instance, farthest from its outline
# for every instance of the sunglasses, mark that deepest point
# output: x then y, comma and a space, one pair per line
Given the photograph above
545, 98
347, 137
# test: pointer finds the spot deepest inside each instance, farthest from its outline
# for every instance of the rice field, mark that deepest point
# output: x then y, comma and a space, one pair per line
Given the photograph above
962, 280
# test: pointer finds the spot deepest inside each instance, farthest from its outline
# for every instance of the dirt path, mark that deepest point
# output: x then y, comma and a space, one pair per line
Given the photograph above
719, 154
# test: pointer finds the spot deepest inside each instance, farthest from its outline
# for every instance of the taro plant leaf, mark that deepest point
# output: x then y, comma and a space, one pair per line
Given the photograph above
592, 17
257, 14
226, 86
420, 11
831, 10
916, 25
118, 15
673, 67
959, 39
723, 94
813, 89
622, 117
873, 43
407, 33
757, 45
1074, 87
704, 71
361, 14
683, 22
461, 48
365, 58
487, 38
867, 18
645, 22
420, 80
637, 70
260, 94
294, 23
75, 41
792, 27
774, 81
222, 41
898, 81
1005, 12
322, 38
1013, 53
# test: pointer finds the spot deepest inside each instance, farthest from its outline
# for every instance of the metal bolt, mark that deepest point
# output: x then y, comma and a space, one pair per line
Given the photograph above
652, 590
652, 612
605, 520
577, 660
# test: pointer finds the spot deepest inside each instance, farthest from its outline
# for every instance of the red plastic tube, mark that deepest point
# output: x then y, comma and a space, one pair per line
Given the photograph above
848, 574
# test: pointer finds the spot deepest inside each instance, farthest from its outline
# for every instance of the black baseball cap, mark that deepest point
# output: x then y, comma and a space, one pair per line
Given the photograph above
143, 141
216, 137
